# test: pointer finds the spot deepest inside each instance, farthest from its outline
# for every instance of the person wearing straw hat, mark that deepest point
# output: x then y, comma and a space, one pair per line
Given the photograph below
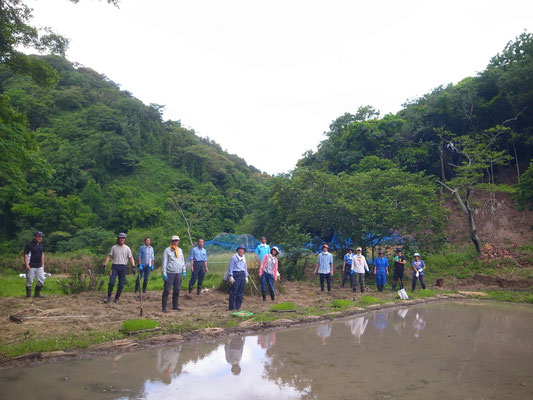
174, 270
120, 254
418, 271
324, 267
268, 272
238, 277
359, 266
381, 270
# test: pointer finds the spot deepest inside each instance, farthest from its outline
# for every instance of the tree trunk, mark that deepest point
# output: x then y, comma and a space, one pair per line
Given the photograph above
473, 231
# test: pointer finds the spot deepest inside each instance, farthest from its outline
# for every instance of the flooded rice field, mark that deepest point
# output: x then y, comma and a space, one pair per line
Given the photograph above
436, 351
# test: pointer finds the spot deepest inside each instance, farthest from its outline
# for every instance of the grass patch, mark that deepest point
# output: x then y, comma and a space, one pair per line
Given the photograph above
132, 325
422, 293
283, 306
502, 295
342, 303
70, 341
367, 300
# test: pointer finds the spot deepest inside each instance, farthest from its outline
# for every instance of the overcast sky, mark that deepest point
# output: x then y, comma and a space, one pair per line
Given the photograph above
265, 79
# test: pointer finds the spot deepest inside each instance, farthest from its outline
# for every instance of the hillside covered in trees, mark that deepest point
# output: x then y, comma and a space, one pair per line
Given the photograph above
82, 160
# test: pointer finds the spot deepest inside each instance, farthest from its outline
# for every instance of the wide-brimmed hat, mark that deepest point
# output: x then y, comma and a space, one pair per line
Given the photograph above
175, 237
274, 248
381, 252
121, 235
241, 247
398, 250
350, 249
38, 233
416, 255
359, 249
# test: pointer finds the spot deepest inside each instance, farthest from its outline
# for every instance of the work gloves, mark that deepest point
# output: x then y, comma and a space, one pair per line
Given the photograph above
246, 279
140, 267
184, 274
165, 277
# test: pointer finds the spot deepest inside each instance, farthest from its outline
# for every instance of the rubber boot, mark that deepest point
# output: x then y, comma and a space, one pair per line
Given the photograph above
175, 298
263, 293
394, 287
362, 289
28, 291
38, 292
272, 296
198, 290
190, 289
354, 288
164, 302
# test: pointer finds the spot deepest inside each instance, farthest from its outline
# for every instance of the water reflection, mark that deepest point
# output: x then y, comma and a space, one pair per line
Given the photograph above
469, 351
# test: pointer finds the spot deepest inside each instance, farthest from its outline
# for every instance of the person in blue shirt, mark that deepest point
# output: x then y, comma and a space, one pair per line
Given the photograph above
146, 260
198, 259
238, 275
381, 270
347, 268
418, 271
262, 250
324, 267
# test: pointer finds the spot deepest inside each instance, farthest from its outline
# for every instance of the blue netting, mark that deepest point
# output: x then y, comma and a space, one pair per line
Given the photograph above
226, 242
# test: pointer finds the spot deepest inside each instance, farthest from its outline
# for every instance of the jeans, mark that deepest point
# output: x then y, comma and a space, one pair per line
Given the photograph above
198, 273
347, 273
236, 292
120, 271
144, 274
327, 277
267, 279
421, 277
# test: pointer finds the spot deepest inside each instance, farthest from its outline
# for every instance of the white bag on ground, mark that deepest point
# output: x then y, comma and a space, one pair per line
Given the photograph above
403, 294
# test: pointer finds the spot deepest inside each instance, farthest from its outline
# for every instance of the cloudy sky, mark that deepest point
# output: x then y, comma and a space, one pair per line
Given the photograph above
265, 79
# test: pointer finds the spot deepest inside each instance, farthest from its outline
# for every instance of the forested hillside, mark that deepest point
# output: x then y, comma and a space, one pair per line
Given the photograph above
375, 176
85, 160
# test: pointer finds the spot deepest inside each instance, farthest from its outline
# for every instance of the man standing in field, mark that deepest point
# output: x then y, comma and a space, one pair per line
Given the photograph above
174, 270
324, 267
146, 260
399, 269
199, 268
34, 263
262, 250
120, 254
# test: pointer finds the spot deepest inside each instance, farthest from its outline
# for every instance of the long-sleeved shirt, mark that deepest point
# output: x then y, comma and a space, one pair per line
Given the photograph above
381, 264
270, 266
359, 264
324, 263
237, 264
146, 254
171, 263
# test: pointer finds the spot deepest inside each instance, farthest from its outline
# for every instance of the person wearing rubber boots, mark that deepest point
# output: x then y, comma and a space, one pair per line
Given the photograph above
238, 277
34, 263
347, 269
381, 270
399, 269
146, 260
120, 254
324, 267
418, 271
174, 270
198, 259
359, 266
268, 273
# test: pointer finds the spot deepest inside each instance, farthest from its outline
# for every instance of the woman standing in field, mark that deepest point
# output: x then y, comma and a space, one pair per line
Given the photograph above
418, 271
268, 272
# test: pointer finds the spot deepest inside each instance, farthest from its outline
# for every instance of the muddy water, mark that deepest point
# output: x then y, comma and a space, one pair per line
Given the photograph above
436, 351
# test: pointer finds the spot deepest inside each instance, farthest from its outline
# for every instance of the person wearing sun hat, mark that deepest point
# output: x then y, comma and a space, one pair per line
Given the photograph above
268, 272
381, 270
359, 266
120, 254
174, 270
418, 271
324, 267
238, 277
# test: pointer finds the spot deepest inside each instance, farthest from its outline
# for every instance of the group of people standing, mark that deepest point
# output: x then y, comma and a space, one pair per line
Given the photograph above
355, 267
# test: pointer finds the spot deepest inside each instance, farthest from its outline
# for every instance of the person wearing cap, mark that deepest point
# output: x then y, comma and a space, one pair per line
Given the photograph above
347, 268
418, 271
268, 272
120, 254
381, 270
399, 269
34, 263
262, 250
146, 260
238, 276
324, 267
174, 270
359, 266
198, 259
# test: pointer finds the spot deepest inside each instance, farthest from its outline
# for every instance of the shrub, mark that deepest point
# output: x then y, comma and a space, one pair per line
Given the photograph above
81, 281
